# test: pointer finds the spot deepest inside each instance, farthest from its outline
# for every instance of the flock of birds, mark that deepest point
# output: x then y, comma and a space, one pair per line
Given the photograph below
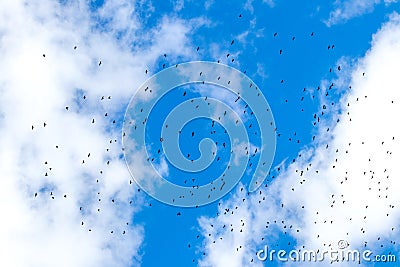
230, 211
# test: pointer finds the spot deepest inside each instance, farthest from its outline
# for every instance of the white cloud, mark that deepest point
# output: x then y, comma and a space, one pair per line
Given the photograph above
249, 5
179, 5
353, 196
348, 9
42, 74
261, 71
224, 246
271, 3
208, 4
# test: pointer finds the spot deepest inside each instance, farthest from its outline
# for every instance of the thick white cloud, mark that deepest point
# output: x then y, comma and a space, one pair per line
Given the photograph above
42, 74
343, 187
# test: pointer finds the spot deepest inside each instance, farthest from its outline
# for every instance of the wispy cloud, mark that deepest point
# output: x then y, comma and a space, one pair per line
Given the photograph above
249, 5
347, 9
179, 5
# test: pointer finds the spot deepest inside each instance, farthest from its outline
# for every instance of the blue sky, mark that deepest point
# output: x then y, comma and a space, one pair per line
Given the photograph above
327, 70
